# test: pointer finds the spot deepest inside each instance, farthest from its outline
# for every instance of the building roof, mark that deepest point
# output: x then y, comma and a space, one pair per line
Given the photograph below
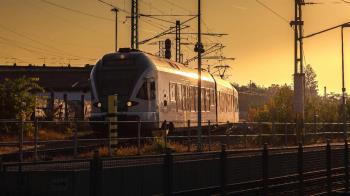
52, 78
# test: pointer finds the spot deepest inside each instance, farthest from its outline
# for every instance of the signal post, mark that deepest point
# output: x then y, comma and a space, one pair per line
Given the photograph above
112, 122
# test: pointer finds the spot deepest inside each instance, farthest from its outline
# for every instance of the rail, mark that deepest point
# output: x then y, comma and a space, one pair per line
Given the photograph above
79, 136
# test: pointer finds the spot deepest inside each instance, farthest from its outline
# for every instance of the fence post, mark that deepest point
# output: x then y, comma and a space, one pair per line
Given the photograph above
301, 169
286, 134
82, 106
166, 137
65, 100
95, 175
75, 142
209, 135
329, 167
260, 137
346, 165
189, 136
296, 133
20, 141
223, 170
109, 139
139, 137
265, 173
36, 137
1, 166
227, 138
168, 173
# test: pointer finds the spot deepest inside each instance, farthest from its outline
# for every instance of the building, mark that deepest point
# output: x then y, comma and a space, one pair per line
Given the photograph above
67, 89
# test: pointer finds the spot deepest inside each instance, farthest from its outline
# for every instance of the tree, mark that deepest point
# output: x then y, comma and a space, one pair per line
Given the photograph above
277, 109
311, 84
17, 98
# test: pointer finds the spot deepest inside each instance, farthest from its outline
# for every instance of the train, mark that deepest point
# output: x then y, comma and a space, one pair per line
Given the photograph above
156, 90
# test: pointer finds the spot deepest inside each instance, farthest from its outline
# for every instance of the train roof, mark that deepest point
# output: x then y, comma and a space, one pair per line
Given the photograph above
166, 65
169, 66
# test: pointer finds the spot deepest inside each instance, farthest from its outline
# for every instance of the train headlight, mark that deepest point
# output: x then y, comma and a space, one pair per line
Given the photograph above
98, 104
129, 103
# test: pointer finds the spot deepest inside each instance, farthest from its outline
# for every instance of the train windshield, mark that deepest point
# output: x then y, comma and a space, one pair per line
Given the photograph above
117, 76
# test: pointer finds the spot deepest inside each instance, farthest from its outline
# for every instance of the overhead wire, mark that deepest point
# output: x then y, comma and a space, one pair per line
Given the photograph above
273, 11
33, 50
76, 11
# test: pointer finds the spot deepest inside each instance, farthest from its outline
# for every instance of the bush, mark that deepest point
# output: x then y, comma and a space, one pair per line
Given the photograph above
17, 101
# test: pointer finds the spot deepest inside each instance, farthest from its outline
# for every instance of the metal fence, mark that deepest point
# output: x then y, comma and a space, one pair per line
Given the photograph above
316, 170
42, 140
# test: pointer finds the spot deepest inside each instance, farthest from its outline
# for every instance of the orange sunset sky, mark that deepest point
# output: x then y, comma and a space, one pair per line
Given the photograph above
261, 42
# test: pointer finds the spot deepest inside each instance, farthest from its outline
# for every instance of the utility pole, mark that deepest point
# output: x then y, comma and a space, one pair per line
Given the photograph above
199, 49
116, 10
178, 41
343, 82
134, 24
116, 27
299, 76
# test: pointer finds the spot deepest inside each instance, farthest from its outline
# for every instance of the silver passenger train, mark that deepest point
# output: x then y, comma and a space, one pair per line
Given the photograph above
156, 90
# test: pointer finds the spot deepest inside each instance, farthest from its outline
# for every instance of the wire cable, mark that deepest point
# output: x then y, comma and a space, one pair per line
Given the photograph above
273, 11
76, 11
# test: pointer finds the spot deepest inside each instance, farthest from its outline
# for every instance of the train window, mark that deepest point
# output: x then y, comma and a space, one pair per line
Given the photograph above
236, 104
192, 98
153, 90
202, 99
208, 99
147, 91
184, 96
226, 102
231, 105
178, 97
211, 98
219, 101
195, 98
172, 89
142, 94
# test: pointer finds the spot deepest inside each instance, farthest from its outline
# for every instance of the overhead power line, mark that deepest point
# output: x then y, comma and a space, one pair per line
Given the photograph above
76, 11
32, 49
273, 11
28, 37
177, 5
113, 6
49, 49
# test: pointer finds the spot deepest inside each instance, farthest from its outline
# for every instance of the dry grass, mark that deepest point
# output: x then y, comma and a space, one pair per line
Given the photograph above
156, 146
44, 135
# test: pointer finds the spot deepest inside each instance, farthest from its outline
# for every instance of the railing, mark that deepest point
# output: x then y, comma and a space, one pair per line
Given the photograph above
75, 136
301, 175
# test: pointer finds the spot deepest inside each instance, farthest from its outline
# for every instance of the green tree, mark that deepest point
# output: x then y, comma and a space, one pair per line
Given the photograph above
311, 84
279, 107
17, 98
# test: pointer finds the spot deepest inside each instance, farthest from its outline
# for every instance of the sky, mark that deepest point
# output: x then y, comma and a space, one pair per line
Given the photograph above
35, 31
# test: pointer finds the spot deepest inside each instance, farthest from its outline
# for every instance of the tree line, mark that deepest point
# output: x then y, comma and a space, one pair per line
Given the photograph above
278, 106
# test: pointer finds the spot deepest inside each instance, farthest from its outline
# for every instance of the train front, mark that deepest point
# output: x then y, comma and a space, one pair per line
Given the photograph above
128, 77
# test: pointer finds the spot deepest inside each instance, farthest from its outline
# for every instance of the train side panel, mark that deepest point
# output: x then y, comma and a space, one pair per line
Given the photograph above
178, 100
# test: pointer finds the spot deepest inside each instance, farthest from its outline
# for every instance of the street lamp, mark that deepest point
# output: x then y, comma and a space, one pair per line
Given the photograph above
342, 26
116, 10
116, 27
346, 25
